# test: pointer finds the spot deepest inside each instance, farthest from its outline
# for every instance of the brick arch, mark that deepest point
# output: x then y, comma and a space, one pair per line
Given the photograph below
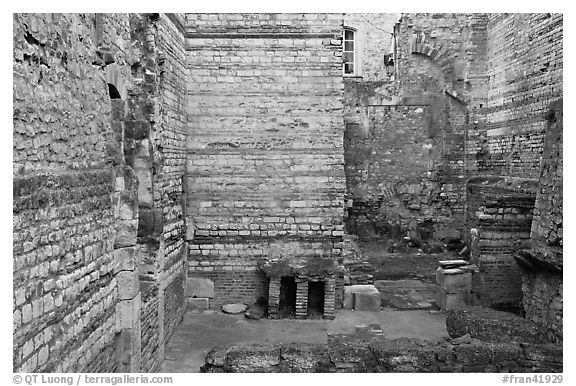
444, 57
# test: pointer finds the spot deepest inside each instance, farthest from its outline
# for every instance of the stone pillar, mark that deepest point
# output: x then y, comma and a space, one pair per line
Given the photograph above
329, 297
273, 297
453, 288
301, 298
128, 259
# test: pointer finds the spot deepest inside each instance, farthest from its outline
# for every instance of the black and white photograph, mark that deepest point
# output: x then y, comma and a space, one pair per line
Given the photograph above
313, 192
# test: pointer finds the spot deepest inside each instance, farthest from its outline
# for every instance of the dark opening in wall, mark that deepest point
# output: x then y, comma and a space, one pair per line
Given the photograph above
315, 299
113, 91
287, 300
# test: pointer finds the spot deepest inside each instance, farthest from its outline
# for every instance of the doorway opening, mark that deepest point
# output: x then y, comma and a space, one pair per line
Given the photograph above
315, 299
287, 299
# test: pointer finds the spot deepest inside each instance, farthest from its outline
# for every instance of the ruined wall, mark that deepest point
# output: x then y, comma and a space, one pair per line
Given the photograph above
439, 82
542, 261
442, 57
391, 173
169, 178
547, 226
265, 160
402, 355
65, 286
525, 75
525, 69
501, 210
155, 148
84, 111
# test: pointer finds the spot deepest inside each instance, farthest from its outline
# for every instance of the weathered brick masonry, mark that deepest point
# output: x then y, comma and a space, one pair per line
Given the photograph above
437, 59
149, 149
98, 169
473, 90
265, 159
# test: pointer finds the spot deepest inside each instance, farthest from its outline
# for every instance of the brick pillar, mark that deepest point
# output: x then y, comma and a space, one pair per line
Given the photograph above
301, 298
329, 297
273, 297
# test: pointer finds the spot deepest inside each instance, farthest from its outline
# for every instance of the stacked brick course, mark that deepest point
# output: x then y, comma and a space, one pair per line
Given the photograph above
84, 196
525, 69
265, 162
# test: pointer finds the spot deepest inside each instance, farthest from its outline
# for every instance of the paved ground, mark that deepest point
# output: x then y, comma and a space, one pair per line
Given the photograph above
199, 332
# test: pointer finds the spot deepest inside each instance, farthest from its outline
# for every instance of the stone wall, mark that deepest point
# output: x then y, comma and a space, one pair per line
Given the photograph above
542, 260
265, 160
439, 77
380, 355
65, 286
392, 171
501, 210
98, 165
525, 68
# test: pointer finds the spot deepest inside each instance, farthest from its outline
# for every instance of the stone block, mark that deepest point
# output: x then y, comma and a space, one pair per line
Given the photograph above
363, 288
446, 301
198, 303
130, 311
367, 301
199, 288
128, 284
127, 257
348, 302
127, 205
455, 282
126, 233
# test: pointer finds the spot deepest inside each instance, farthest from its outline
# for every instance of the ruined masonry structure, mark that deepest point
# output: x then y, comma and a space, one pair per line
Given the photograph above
265, 165
171, 161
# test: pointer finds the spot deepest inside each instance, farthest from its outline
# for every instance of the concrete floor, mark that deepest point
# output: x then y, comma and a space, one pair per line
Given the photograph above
200, 331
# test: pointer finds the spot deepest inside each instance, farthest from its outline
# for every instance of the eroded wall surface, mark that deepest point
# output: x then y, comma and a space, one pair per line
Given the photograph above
97, 131
265, 157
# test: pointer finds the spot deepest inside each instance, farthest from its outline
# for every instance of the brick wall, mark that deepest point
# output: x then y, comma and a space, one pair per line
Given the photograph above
65, 287
438, 88
150, 324
542, 261
547, 226
392, 169
501, 210
265, 160
98, 169
525, 69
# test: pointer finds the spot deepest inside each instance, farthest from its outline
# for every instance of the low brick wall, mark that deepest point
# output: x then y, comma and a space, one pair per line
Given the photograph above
384, 355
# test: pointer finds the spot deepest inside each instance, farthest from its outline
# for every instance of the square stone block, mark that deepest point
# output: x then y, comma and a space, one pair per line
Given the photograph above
127, 257
448, 301
128, 284
457, 282
126, 233
367, 301
130, 312
198, 303
199, 288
